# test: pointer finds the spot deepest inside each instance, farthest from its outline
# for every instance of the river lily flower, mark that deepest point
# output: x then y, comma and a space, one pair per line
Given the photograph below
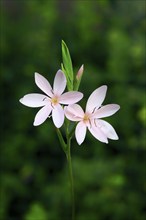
52, 99
91, 118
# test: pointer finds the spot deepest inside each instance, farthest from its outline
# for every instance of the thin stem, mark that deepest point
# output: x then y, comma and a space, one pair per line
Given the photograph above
72, 131
62, 142
71, 178
67, 149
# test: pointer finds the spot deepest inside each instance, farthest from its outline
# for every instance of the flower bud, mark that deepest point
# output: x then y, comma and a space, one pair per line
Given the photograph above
80, 72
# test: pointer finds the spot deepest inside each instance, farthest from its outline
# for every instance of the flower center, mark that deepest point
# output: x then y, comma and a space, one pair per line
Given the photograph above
86, 118
54, 101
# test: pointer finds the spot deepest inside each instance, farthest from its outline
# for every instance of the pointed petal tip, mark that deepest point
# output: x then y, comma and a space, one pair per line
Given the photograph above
60, 72
116, 137
118, 107
43, 84
96, 98
79, 143
58, 116
36, 74
59, 83
80, 95
20, 100
36, 124
104, 86
80, 132
58, 126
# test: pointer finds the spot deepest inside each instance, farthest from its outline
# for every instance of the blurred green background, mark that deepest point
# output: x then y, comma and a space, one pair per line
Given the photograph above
108, 37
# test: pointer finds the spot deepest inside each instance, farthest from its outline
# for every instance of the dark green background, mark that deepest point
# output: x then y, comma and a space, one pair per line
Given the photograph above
108, 37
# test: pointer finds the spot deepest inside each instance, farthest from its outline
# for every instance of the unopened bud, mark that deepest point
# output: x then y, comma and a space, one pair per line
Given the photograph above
80, 72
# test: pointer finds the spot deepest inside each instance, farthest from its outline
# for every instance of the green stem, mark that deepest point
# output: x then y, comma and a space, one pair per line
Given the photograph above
68, 154
72, 131
62, 142
67, 149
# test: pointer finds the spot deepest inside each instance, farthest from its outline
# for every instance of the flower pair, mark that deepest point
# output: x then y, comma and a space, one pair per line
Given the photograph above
53, 99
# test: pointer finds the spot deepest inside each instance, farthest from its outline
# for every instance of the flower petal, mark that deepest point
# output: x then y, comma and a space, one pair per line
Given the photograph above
34, 100
43, 84
42, 115
106, 110
96, 99
74, 112
59, 83
107, 129
97, 133
70, 97
80, 132
58, 116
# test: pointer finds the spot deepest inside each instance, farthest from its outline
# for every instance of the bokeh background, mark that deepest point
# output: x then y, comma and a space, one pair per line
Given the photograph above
108, 37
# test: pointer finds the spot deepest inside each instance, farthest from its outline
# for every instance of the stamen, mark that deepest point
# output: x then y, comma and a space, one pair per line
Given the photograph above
52, 105
94, 110
44, 98
100, 106
90, 123
95, 122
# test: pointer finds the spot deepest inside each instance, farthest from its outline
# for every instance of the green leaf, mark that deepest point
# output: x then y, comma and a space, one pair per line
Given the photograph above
67, 66
69, 83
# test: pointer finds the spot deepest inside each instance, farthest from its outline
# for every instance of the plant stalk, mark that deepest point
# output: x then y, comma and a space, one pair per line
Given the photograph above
71, 178
67, 149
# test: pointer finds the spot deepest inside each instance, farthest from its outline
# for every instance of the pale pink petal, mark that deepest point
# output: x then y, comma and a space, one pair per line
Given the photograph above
107, 129
96, 99
43, 84
74, 112
59, 83
42, 115
34, 100
70, 97
58, 116
97, 133
80, 132
106, 110
71, 115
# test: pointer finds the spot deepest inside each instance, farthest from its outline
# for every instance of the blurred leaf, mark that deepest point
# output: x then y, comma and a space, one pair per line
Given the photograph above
142, 115
36, 212
67, 66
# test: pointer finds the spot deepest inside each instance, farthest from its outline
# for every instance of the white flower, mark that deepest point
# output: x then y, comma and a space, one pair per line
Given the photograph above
51, 100
100, 129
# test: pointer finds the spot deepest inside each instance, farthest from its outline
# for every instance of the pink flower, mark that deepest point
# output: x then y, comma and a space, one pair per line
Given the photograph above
52, 99
99, 128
